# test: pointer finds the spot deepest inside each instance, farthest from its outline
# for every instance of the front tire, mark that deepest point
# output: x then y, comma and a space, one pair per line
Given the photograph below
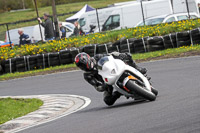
134, 87
154, 91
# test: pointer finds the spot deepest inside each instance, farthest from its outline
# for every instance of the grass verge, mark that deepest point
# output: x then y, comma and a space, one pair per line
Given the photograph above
168, 53
49, 70
13, 108
140, 57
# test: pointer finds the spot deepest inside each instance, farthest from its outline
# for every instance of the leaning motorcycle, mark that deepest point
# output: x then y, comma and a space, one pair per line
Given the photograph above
125, 79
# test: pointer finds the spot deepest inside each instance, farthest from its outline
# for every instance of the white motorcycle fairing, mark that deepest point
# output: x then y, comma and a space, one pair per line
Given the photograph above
112, 69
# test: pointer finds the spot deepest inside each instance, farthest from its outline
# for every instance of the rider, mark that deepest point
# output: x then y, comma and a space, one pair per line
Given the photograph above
89, 65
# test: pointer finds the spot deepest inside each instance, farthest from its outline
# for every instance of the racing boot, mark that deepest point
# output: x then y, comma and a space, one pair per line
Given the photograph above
110, 99
128, 59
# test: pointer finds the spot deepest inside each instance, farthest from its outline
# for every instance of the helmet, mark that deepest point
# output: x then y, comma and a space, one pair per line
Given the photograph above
84, 62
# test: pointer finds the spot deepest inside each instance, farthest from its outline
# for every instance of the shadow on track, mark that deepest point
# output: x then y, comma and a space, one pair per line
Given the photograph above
116, 105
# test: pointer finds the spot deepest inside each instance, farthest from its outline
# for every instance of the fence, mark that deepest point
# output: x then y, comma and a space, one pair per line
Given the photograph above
9, 31
13, 36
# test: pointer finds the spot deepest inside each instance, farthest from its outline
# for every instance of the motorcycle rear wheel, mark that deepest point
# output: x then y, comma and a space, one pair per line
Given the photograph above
135, 88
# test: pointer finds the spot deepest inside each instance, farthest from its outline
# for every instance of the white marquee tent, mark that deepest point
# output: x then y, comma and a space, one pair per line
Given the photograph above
76, 16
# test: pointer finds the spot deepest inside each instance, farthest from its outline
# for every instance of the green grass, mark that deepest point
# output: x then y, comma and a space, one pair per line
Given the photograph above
13, 108
140, 57
173, 52
36, 72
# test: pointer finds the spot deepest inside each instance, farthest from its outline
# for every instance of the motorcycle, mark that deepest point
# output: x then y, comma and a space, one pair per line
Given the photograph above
125, 79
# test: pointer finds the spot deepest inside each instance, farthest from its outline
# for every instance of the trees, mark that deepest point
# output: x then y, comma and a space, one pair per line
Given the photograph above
7, 5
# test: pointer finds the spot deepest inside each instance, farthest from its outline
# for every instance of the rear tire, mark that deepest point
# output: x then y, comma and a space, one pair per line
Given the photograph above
132, 86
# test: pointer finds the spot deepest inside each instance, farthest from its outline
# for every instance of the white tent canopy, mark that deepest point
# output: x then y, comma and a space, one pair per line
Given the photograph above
76, 16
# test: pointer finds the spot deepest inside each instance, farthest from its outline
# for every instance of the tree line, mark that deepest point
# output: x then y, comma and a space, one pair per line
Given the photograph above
7, 5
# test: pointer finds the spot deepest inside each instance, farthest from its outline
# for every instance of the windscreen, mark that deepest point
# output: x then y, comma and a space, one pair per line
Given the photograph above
101, 62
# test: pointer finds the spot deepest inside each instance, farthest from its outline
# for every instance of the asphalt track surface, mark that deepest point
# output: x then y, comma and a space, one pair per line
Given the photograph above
176, 109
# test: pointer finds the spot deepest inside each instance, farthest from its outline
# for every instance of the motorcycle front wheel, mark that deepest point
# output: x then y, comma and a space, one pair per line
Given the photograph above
154, 90
136, 88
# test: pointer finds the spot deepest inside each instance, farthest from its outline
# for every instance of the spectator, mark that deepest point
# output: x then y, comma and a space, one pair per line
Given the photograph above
62, 30
48, 27
23, 38
77, 30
